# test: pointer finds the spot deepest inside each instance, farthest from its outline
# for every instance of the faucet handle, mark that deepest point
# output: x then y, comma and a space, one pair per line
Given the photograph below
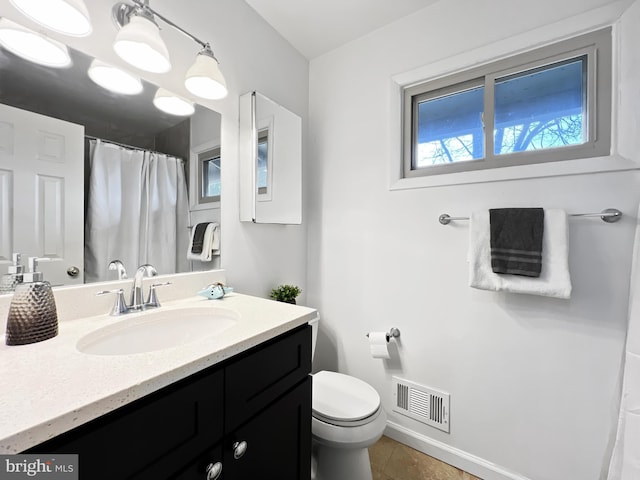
152, 301
120, 307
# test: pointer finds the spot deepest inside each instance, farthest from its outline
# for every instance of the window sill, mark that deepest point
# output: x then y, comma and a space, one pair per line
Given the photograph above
613, 163
204, 206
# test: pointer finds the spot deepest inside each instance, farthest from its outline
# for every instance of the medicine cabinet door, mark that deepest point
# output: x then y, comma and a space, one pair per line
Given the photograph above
270, 162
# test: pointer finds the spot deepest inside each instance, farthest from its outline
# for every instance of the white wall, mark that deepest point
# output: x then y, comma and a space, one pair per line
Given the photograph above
204, 123
252, 57
533, 380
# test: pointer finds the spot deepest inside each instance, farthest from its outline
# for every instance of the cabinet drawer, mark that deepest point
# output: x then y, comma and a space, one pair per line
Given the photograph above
263, 374
150, 437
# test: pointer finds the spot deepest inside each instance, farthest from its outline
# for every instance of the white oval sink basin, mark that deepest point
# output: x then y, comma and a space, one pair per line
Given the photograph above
157, 330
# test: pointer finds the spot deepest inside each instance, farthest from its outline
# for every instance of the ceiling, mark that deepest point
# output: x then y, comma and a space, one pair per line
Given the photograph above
315, 27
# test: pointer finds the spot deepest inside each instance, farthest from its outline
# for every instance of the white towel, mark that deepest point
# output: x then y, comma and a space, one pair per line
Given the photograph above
210, 243
554, 279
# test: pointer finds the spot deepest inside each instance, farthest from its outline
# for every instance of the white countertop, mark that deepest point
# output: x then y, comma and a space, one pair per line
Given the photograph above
50, 387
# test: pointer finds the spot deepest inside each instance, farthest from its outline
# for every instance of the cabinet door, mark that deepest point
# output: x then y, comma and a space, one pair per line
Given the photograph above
151, 438
278, 441
208, 466
258, 378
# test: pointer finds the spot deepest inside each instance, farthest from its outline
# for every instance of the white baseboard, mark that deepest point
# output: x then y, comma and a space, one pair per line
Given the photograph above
458, 458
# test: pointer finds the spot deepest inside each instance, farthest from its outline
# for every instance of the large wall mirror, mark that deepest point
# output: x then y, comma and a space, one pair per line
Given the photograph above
270, 162
82, 170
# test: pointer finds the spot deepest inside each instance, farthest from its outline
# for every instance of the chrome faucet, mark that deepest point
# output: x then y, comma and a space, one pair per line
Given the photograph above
137, 298
119, 267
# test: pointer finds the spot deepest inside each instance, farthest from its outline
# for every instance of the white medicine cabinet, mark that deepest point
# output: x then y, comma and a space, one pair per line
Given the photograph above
270, 162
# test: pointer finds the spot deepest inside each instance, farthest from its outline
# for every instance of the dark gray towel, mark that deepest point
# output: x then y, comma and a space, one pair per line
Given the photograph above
516, 240
198, 238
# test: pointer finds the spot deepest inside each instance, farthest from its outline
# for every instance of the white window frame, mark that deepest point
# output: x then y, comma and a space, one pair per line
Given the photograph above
206, 156
195, 177
265, 129
596, 46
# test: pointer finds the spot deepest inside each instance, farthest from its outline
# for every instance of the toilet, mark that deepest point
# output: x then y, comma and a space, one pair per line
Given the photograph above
347, 418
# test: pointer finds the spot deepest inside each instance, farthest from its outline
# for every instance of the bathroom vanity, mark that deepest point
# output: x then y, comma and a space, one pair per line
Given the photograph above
238, 401
251, 415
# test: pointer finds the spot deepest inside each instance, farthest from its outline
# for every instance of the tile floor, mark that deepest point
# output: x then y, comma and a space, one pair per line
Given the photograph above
391, 460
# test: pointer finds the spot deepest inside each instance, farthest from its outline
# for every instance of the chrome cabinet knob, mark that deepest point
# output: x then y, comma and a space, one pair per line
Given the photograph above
73, 271
239, 449
214, 470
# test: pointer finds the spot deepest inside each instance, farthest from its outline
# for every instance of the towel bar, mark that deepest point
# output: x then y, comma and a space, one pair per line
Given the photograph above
609, 215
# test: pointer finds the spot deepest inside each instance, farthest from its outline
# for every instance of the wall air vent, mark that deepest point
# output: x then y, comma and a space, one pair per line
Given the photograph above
424, 404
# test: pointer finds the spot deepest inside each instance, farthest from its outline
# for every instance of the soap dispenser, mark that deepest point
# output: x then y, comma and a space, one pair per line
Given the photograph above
13, 276
32, 314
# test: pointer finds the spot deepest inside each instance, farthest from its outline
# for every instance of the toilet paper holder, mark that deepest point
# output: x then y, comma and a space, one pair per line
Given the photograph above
393, 333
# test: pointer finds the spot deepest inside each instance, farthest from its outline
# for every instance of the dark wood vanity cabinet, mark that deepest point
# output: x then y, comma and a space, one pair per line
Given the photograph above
277, 443
251, 414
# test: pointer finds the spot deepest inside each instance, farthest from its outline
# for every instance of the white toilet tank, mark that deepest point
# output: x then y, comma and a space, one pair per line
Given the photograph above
314, 334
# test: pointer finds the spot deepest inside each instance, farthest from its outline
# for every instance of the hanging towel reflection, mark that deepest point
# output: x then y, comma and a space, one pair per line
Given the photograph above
205, 242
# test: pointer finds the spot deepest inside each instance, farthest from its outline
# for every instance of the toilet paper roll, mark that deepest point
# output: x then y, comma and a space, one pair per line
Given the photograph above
378, 345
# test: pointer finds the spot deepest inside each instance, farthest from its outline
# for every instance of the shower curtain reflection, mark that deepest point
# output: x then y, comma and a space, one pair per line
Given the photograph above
137, 211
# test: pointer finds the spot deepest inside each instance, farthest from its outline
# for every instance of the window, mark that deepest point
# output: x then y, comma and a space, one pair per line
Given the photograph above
546, 105
263, 162
209, 174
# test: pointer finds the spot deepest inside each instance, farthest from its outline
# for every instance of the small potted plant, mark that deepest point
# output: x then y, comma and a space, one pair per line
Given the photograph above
285, 293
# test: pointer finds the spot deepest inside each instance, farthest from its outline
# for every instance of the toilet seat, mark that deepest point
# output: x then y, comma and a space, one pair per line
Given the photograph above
343, 400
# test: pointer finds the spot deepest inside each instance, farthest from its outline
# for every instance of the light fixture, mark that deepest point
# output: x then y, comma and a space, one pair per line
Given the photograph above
172, 104
70, 17
114, 79
203, 78
139, 44
33, 46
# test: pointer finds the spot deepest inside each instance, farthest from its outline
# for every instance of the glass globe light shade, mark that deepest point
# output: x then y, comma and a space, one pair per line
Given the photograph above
172, 104
114, 79
69, 17
205, 79
33, 46
139, 44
